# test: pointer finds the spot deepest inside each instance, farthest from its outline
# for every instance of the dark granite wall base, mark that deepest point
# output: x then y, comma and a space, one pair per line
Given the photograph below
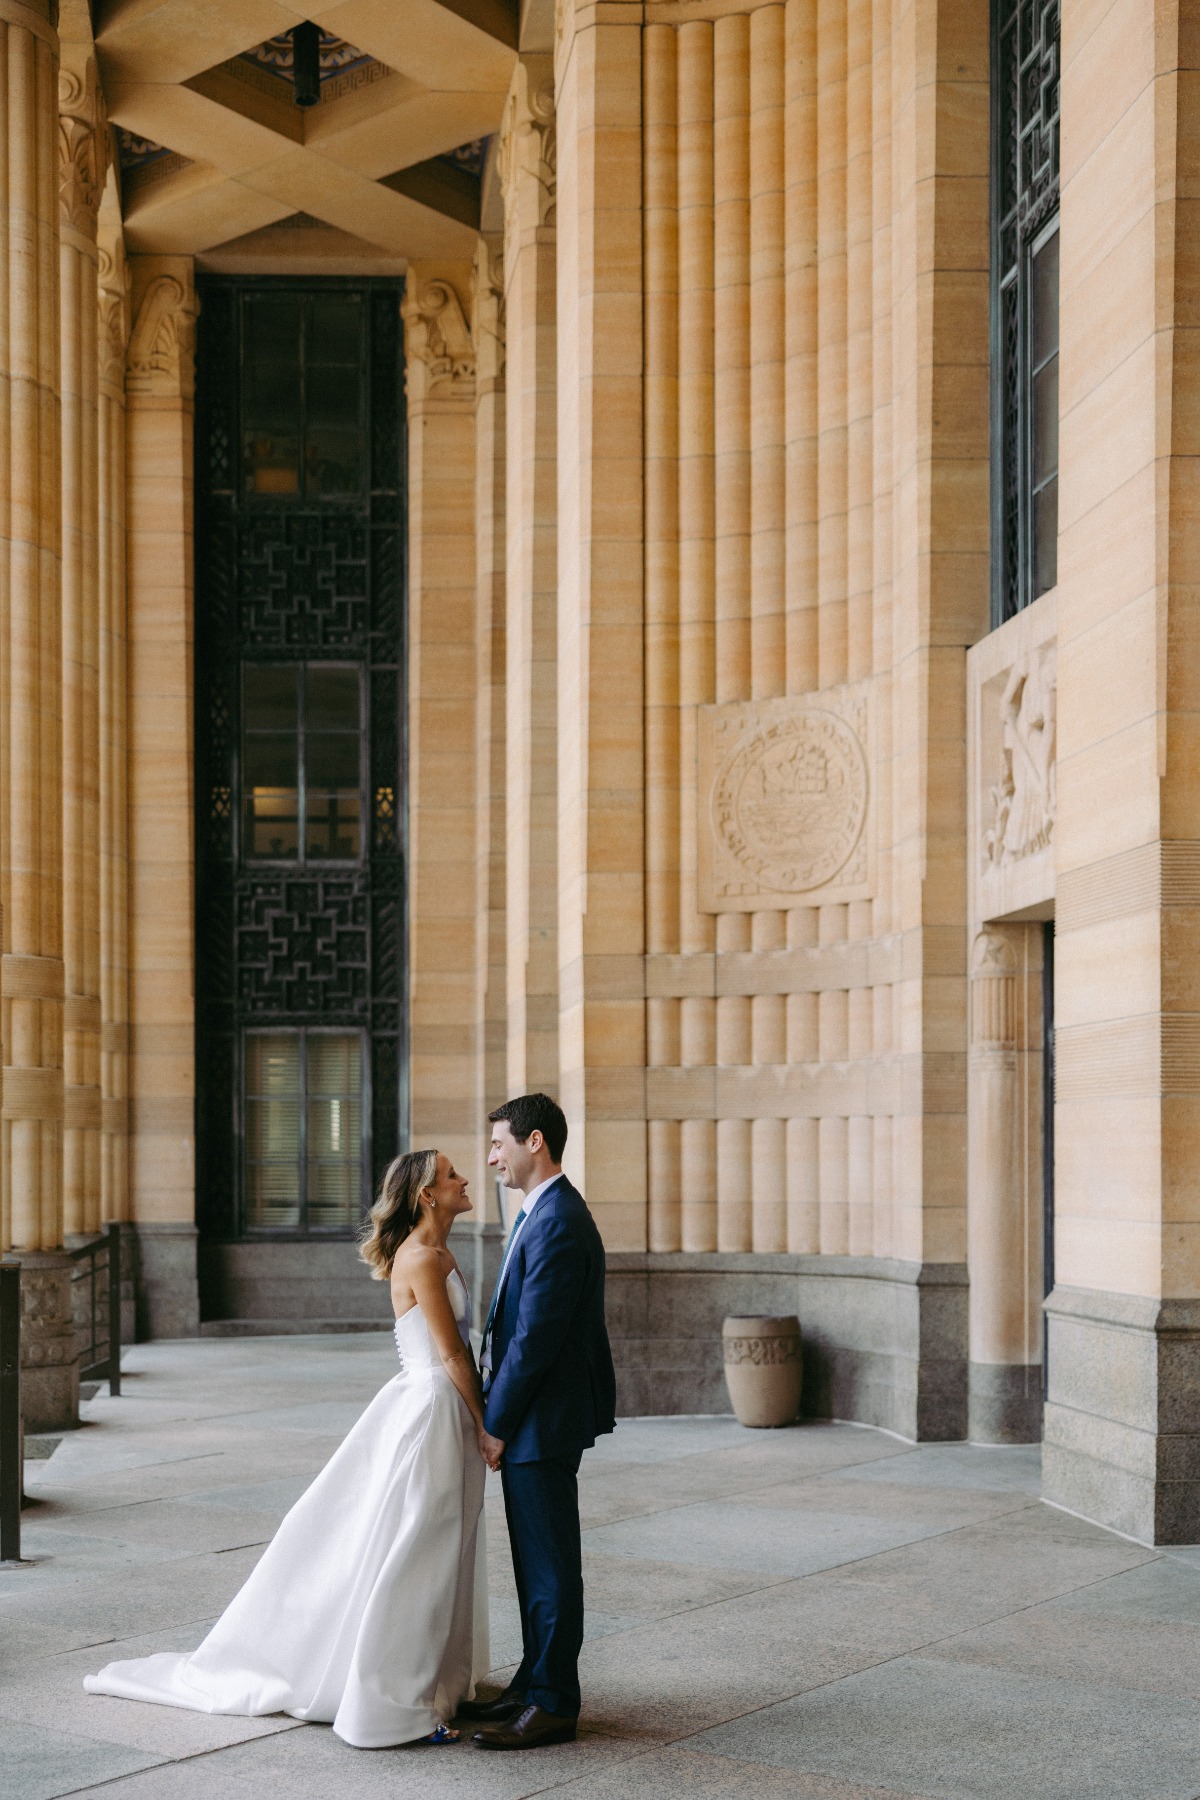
281, 1285
1122, 1432
1005, 1403
885, 1342
167, 1298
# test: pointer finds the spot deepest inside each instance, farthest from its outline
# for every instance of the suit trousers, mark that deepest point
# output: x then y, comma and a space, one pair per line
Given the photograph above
541, 1502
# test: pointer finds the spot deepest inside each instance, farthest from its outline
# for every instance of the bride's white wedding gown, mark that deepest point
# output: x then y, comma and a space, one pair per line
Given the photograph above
368, 1609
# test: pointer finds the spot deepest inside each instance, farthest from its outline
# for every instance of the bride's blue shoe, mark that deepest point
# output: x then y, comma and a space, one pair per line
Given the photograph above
443, 1735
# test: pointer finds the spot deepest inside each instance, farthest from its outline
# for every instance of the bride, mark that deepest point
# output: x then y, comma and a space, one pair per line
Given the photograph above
368, 1610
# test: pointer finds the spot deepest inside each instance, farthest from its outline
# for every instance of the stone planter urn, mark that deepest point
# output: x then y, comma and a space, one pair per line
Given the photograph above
763, 1368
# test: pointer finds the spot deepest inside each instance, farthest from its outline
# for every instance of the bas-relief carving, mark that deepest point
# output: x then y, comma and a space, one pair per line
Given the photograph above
1011, 749
438, 336
784, 795
1022, 802
161, 347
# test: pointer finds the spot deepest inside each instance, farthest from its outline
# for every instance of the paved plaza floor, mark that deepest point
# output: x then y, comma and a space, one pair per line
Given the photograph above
824, 1611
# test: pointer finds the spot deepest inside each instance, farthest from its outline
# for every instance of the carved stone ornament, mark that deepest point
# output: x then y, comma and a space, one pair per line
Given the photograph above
784, 789
1021, 805
438, 336
489, 311
528, 150
162, 345
82, 145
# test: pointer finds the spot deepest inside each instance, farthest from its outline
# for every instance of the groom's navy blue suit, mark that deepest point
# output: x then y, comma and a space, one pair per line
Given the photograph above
552, 1394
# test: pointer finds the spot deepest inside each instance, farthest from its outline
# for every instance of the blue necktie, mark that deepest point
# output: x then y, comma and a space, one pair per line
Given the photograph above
516, 1226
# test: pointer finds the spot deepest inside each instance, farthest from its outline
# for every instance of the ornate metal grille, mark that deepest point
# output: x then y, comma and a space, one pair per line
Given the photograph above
296, 576
1025, 184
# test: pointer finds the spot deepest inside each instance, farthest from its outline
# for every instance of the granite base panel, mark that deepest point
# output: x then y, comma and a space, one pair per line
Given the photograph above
1005, 1403
305, 1282
1122, 1421
885, 1342
273, 1288
167, 1295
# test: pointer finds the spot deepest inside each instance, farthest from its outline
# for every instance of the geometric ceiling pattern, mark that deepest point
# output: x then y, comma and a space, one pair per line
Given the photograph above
214, 149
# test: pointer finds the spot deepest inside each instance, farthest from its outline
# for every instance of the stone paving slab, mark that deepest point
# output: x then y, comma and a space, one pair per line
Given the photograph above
821, 1613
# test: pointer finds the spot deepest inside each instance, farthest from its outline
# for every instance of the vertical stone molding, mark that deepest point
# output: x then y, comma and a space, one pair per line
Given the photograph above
440, 356
113, 338
82, 146
527, 161
489, 333
159, 389
600, 644
31, 977
1004, 1185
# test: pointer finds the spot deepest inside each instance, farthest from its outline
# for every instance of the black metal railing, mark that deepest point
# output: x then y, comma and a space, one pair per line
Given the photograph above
96, 1308
10, 1412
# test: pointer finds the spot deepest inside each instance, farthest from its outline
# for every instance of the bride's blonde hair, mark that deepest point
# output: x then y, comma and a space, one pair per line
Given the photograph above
397, 1209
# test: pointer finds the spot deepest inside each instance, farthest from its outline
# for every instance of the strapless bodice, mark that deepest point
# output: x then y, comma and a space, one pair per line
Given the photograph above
414, 1346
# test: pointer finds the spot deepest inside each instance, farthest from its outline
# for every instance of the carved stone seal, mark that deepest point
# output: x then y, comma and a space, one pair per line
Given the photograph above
786, 799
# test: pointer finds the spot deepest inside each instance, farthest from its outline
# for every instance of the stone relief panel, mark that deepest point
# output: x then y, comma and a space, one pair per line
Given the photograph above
784, 794
1012, 684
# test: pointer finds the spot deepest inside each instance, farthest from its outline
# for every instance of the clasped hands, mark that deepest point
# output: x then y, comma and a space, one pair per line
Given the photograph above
490, 1448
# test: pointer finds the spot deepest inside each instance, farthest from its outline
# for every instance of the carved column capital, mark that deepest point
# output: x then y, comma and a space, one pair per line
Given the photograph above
439, 348
161, 357
993, 991
82, 148
488, 312
113, 334
528, 148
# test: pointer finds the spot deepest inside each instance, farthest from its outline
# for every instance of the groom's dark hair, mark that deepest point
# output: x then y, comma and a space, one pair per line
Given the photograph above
535, 1112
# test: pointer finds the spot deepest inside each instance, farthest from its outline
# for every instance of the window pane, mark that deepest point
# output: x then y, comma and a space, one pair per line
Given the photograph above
1043, 302
1045, 422
333, 829
1045, 538
269, 696
335, 329
271, 796
271, 395
272, 1124
331, 699
335, 1126
332, 460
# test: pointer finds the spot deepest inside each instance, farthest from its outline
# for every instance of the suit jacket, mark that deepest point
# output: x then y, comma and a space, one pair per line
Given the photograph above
553, 1391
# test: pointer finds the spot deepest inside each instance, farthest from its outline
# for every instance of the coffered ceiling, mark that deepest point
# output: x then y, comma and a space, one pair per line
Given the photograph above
219, 162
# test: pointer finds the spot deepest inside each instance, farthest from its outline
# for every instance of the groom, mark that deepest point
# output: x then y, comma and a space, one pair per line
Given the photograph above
549, 1392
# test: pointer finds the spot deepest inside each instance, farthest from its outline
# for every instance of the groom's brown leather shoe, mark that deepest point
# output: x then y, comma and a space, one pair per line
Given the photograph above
497, 1710
530, 1729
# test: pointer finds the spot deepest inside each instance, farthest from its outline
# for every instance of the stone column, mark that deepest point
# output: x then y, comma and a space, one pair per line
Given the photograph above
114, 799
601, 811
159, 394
528, 177
1122, 1432
488, 331
30, 795
82, 147
440, 362
1004, 1186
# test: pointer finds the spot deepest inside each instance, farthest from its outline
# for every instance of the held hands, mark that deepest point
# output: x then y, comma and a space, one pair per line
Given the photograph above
490, 1448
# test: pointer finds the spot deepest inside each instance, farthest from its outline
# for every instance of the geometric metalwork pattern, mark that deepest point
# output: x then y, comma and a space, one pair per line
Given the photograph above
1025, 195
296, 578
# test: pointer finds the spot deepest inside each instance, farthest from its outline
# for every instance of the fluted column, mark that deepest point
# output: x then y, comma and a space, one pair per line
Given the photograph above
113, 336
601, 810
1004, 1185
160, 382
30, 786
528, 176
440, 362
82, 147
491, 969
